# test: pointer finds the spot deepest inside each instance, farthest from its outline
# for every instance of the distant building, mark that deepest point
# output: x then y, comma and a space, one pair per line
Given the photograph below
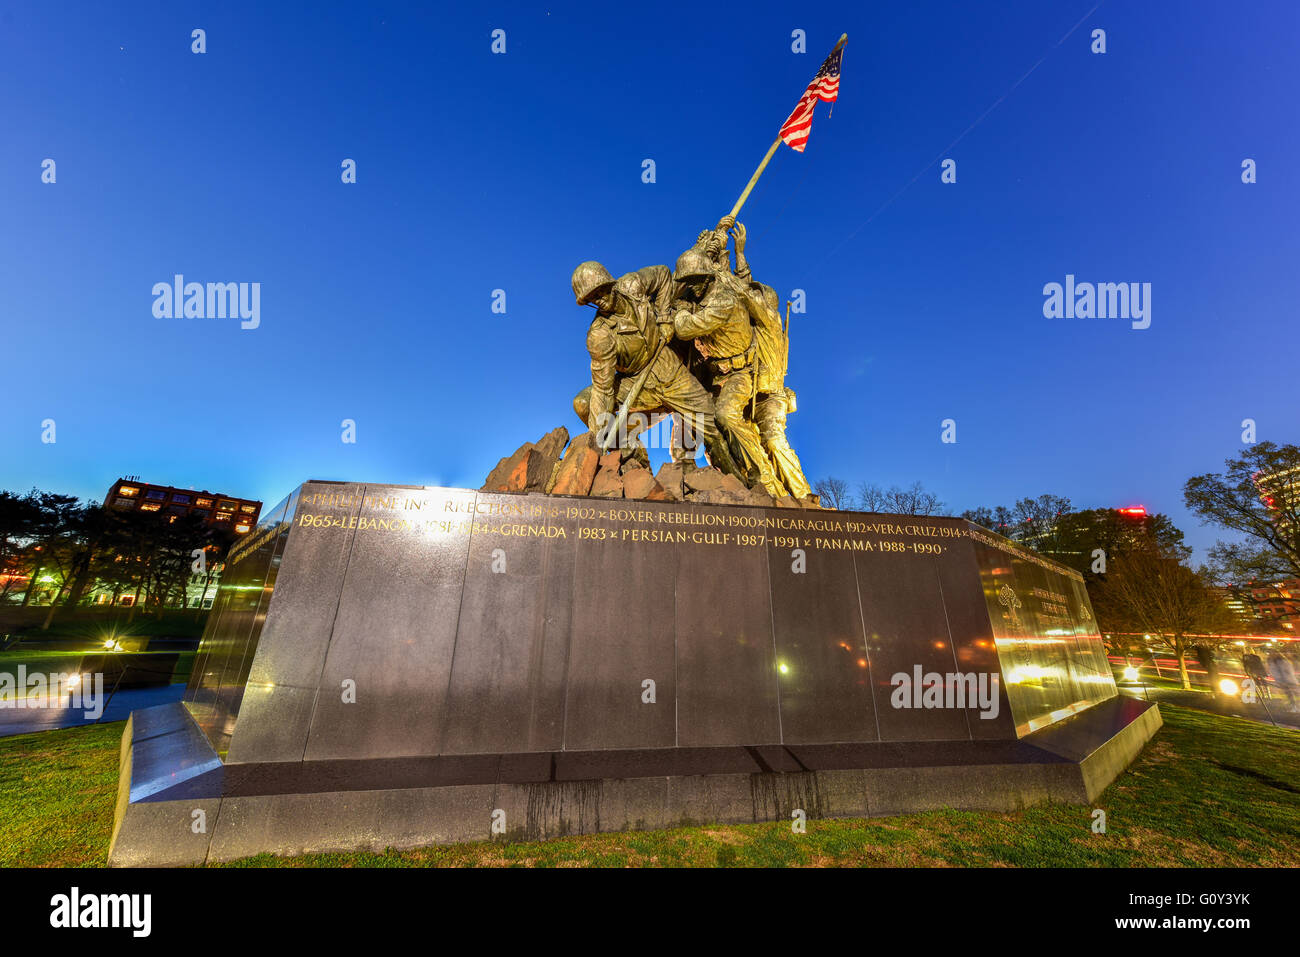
1236, 604
1280, 491
1278, 603
223, 511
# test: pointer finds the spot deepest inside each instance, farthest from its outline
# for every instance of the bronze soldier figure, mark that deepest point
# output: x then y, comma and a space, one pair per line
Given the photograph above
713, 313
775, 400
661, 290
622, 341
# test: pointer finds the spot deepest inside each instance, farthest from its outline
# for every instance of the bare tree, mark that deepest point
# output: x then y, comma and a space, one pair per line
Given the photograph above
871, 498
834, 492
914, 500
1163, 598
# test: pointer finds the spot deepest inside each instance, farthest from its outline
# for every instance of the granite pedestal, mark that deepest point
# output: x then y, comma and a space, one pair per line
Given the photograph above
394, 666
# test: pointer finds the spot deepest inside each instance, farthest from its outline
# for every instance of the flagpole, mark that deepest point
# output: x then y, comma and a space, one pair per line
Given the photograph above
771, 151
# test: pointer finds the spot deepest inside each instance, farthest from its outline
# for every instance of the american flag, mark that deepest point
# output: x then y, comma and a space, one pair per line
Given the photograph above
824, 86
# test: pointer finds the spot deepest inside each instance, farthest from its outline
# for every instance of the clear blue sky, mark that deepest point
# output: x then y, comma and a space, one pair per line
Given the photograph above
479, 171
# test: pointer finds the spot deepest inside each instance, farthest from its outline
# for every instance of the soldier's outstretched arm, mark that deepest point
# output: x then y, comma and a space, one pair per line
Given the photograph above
742, 264
692, 325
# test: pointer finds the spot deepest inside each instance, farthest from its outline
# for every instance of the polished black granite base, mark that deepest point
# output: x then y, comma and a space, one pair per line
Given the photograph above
371, 644
170, 776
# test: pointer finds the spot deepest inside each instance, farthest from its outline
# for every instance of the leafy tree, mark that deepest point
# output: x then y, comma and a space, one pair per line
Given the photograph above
1050, 526
18, 519
173, 559
1258, 496
150, 554
53, 514
71, 550
1031, 521
1039, 522
115, 567
998, 519
1087, 540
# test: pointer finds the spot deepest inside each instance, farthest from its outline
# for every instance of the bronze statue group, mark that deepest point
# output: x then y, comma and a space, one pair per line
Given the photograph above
702, 342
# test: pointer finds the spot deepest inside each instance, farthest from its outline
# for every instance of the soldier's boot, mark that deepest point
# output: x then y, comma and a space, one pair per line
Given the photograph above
755, 452
706, 431
789, 471
721, 459
767, 476
638, 452
634, 448
745, 434
678, 451
770, 418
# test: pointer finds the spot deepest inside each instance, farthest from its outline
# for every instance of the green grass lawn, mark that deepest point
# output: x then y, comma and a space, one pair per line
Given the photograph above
57, 791
1208, 791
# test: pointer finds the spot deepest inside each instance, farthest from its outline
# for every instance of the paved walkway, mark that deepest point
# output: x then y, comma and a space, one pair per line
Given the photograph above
27, 720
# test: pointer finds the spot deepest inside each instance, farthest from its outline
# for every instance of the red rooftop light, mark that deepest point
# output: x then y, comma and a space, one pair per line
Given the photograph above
1134, 511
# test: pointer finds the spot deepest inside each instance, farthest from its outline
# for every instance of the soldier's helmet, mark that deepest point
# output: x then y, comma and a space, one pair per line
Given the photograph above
590, 281
692, 264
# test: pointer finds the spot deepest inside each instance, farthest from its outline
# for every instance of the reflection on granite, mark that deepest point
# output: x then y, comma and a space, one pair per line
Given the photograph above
365, 622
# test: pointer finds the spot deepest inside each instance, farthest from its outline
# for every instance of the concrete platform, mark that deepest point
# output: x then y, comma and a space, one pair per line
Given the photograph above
178, 804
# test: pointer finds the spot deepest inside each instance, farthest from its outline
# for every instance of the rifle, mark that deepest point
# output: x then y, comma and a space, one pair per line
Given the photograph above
786, 330
620, 421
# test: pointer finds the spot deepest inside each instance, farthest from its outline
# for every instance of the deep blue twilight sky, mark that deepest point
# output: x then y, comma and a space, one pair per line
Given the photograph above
479, 171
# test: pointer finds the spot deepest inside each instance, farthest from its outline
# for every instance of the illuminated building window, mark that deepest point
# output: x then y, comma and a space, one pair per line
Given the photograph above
128, 490
228, 506
224, 516
250, 509
204, 503
149, 507
241, 529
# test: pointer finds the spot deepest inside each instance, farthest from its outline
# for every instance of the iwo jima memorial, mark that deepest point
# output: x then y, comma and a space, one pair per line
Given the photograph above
586, 645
